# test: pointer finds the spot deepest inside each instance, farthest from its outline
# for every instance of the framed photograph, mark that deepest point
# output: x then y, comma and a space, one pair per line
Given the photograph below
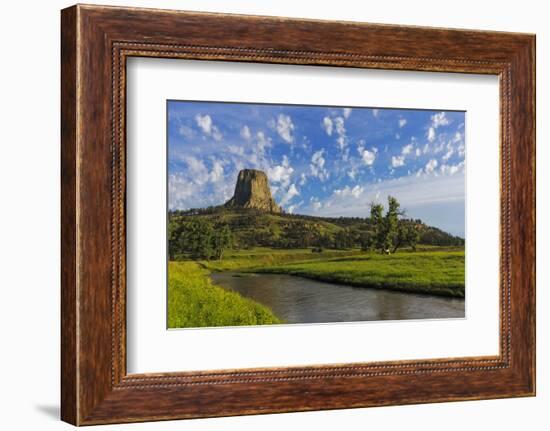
261, 217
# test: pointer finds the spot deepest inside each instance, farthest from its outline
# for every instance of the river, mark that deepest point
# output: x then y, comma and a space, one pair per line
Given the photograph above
300, 300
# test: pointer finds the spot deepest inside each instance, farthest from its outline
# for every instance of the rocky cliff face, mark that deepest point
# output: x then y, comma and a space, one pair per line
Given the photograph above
252, 191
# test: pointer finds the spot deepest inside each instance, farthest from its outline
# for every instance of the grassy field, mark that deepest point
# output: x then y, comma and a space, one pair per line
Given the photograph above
265, 257
193, 301
433, 270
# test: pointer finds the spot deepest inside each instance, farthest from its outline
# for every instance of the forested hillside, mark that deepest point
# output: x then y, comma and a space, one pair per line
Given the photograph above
207, 232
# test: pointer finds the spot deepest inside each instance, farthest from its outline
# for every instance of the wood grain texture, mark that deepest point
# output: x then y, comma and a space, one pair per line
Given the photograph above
96, 41
69, 397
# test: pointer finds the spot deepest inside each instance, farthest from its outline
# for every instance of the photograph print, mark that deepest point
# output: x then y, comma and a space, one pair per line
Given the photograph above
297, 214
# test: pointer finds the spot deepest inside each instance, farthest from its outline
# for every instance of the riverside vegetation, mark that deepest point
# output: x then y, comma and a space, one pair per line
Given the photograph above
252, 234
193, 301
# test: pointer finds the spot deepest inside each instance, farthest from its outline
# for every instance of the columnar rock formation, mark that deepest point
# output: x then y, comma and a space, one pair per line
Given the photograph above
252, 191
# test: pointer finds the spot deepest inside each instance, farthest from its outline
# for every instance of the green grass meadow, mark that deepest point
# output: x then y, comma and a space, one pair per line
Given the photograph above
259, 257
430, 272
194, 301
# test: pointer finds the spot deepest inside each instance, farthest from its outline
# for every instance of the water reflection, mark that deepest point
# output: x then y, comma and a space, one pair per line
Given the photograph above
300, 300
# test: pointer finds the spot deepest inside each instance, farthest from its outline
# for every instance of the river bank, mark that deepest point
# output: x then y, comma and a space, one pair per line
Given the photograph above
194, 300
432, 271
300, 300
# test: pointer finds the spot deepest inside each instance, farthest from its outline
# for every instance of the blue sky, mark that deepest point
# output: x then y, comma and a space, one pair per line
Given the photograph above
325, 161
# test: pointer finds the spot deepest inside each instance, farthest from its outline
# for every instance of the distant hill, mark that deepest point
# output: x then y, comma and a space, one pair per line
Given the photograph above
255, 219
252, 228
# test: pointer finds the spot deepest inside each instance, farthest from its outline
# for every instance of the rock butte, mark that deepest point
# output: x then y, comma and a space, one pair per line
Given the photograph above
252, 191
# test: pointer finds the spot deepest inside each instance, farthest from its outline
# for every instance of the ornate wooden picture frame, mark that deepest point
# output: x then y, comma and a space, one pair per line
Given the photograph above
96, 41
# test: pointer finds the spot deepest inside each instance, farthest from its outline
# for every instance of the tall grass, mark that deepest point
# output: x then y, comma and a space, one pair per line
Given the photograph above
264, 257
193, 301
431, 272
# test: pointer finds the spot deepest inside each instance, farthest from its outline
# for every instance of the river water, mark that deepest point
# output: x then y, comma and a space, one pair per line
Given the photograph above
300, 300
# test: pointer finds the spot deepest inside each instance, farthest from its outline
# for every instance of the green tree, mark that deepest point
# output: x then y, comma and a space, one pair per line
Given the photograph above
196, 239
391, 222
390, 232
222, 240
366, 240
205, 248
377, 219
325, 240
343, 239
174, 231
412, 235
407, 234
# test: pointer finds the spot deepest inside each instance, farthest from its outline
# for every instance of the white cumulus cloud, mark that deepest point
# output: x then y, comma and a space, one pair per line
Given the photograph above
179, 190
236, 149
217, 172
281, 173
368, 157
346, 112
355, 191
290, 194
263, 142
245, 133
317, 165
328, 125
431, 165
339, 125
439, 119
448, 154
198, 172
284, 127
206, 124
431, 134
186, 131
216, 134
407, 149
397, 161
451, 169
316, 205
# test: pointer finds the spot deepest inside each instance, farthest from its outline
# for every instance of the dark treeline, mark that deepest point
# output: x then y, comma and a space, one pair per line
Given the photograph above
208, 233
198, 238
220, 210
